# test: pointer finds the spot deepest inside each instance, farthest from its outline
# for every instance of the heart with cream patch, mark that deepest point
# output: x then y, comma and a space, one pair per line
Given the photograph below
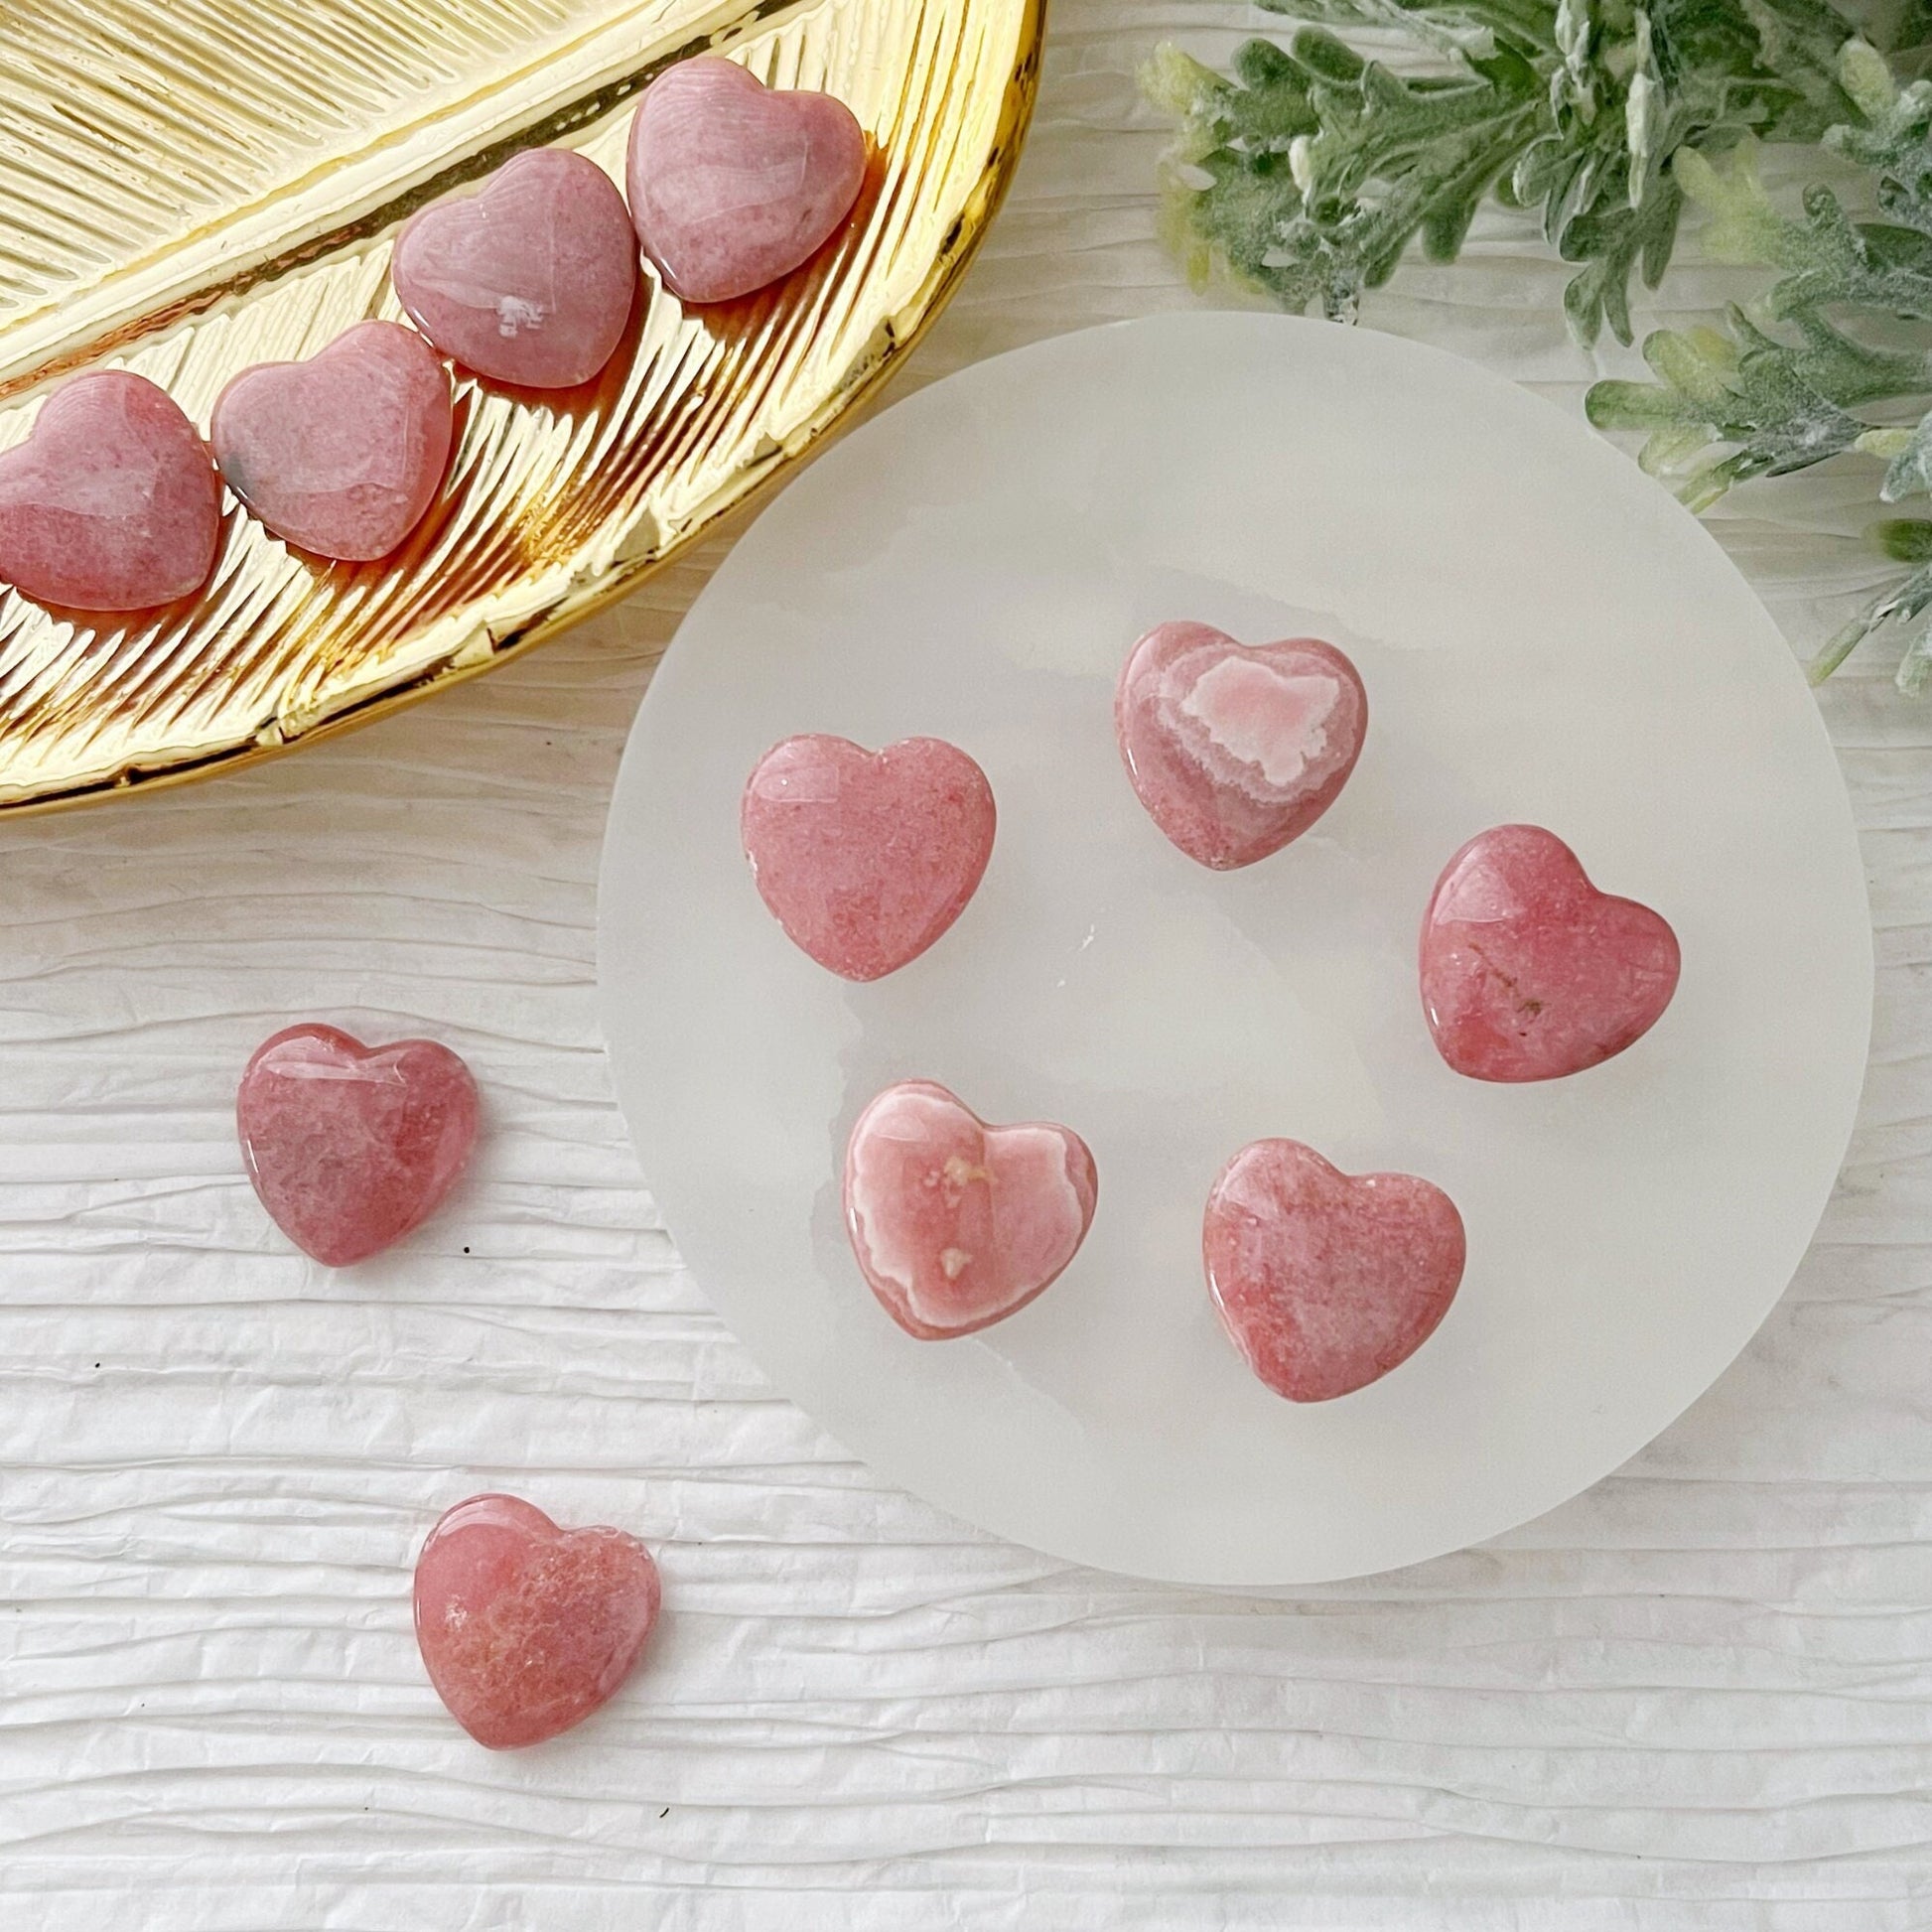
956, 1224
1235, 750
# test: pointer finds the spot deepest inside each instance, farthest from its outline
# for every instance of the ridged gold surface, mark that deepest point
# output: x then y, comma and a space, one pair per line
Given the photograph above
187, 187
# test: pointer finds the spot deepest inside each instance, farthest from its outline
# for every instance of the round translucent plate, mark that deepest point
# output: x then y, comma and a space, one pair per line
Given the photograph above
1545, 637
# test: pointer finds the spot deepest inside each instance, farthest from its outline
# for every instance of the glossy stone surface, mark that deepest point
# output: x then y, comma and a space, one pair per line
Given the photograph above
1234, 749
526, 1628
351, 1147
342, 454
531, 280
1528, 971
1327, 1280
112, 502
957, 1224
867, 857
732, 183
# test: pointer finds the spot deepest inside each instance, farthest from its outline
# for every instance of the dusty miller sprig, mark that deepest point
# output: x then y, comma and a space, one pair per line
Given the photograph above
1789, 383
1309, 171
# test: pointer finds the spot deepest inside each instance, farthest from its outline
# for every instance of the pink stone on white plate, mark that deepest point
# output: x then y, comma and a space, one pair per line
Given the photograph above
1237, 748
351, 1147
1528, 971
526, 1628
1327, 1280
866, 858
957, 1224
112, 502
531, 279
732, 183
342, 454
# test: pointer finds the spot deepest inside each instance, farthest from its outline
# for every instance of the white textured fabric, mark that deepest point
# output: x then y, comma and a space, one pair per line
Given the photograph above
1695, 1697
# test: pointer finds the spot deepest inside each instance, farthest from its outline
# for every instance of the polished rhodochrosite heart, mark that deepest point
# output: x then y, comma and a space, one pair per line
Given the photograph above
1528, 971
526, 1628
867, 857
112, 502
1237, 748
342, 454
350, 1146
732, 183
1327, 1280
531, 280
957, 1224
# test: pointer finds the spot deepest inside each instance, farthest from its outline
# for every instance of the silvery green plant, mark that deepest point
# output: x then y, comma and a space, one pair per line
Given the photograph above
1308, 172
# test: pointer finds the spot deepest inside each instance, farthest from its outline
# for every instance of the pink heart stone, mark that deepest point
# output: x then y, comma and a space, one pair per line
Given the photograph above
342, 454
529, 281
867, 857
957, 1224
732, 183
1236, 748
526, 1628
1327, 1280
112, 502
350, 1146
1528, 971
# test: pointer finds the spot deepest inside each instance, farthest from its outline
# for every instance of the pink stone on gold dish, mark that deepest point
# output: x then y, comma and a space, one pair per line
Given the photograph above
1327, 1280
1236, 748
732, 183
957, 1224
351, 1147
531, 280
342, 454
866, 858
112, 502
1528, 971
526, 1628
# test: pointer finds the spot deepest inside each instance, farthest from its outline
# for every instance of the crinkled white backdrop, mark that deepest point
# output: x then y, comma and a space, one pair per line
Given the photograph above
1695, 1697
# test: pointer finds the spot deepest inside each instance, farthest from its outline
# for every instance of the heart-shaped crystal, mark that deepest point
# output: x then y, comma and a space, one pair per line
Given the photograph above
1327, 1280
342, 454
526, 1628
732, 183
112, 502
867, 857
350, 1146
528, 281
1528, 971
957, 1224
1236, 748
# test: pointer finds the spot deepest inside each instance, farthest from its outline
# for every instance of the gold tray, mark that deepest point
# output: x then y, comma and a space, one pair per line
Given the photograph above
187, 187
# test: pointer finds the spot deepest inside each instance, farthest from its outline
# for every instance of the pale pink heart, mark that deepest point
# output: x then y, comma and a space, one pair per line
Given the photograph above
528, 281
342, 454
1237, 748
112, 502
351, 1147
732, 183
957, 1224
526, 1628
1327, 1280
867, 857
1528, 971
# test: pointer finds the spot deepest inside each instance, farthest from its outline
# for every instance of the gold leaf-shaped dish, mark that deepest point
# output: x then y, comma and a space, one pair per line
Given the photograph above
187, 187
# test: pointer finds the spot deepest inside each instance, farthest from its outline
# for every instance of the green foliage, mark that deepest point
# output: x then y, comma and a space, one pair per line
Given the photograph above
1790, 383
1311, 169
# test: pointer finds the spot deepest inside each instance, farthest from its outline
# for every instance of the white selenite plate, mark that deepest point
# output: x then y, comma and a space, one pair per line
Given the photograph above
1545, 637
